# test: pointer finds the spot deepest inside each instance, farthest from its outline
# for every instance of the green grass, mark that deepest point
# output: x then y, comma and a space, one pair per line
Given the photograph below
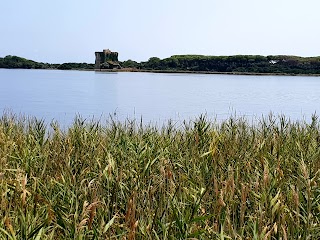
201, 180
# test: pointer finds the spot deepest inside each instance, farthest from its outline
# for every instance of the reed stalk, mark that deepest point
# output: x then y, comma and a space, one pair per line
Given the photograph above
125, 180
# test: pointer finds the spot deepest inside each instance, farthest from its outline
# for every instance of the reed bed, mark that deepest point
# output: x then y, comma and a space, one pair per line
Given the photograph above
198, 180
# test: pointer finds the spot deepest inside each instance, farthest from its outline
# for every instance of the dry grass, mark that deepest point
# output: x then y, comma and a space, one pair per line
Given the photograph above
203, 180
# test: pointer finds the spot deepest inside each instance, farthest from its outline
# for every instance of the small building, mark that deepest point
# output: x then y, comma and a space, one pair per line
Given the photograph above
107, 60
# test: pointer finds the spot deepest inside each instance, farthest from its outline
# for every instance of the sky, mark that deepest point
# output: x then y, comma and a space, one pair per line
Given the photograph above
57, 31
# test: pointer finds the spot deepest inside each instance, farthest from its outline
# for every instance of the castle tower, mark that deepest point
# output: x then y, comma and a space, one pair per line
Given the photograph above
106, 59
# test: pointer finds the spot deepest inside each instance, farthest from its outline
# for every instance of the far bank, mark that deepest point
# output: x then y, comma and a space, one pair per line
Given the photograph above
200, 72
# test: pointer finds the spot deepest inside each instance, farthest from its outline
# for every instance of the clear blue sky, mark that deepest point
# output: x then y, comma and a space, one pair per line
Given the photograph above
59, 31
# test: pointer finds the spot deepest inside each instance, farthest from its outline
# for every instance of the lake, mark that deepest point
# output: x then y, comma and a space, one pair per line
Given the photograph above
156, 97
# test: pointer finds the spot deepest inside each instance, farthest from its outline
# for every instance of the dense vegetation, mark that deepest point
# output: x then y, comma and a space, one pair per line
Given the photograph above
194, 63
240, 63
18, 62
70, 66
201, 180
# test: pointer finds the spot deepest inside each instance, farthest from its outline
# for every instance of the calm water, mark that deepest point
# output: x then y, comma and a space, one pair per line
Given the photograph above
60, 95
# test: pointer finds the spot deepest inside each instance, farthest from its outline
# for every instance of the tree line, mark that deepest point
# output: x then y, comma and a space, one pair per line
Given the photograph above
277, 64
19, 62
239, 63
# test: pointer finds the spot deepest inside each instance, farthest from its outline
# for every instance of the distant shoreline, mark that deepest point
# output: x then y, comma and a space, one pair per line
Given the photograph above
171, 71
250, 65
200, 72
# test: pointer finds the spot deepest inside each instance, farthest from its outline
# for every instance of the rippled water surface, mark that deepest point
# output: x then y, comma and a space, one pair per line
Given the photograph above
60, 95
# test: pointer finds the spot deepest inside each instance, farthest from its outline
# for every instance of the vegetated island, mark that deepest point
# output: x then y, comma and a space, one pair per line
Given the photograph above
238, 64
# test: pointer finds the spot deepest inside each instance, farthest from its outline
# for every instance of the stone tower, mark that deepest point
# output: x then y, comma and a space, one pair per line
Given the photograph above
106, 59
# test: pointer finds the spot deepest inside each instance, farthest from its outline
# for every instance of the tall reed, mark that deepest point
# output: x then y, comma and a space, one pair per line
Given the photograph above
198, 180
